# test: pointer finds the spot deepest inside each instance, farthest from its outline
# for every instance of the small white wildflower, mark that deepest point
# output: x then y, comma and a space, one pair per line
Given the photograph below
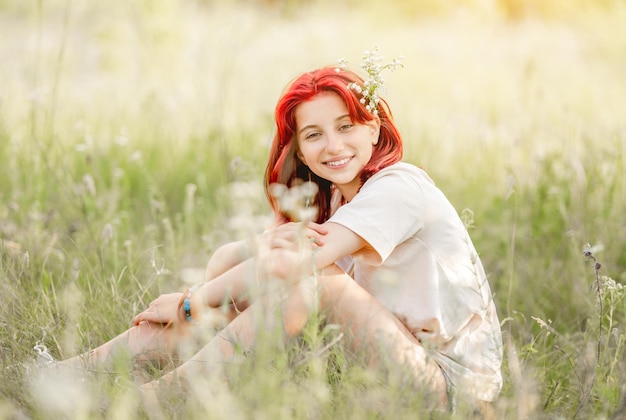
121, 140
609, 283
615, 333
107, 233
342, 65
86, 146
296, 201
599, 247
157, 205
289, 202
135, 156
162, 270
118, 173
614, 288
128, 246
43, 356
467, 217
510, 186
190, 189
277, 190
543, 324
372, 64
90, 184
307, 214
309, 189
75, 268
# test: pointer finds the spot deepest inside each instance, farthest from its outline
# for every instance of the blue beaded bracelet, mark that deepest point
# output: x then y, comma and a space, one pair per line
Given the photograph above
187, 305
187, 308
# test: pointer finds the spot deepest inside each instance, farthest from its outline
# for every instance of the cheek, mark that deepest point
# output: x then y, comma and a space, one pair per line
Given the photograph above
369, 150
369, 154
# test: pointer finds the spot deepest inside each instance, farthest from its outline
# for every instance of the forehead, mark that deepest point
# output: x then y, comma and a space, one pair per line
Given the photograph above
321, 106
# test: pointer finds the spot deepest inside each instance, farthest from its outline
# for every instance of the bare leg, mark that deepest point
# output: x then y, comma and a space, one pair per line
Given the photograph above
376, 334
205, 371
142, 343
368, 326
236, 339
153, 343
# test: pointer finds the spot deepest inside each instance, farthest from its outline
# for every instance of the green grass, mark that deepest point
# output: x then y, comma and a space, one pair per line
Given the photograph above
132, 143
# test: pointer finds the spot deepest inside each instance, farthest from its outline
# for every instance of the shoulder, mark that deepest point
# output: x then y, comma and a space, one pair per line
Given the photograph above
401, 171
394, 189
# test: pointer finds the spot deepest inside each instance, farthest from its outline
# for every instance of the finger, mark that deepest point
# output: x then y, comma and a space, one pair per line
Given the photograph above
149, 316
138, 319
295, 237
315, 238
321, 229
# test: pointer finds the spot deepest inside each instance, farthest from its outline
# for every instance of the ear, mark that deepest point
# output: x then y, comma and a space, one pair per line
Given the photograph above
374, 129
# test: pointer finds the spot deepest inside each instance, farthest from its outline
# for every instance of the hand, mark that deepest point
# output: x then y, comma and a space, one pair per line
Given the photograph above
286, 264
293, 234
163, 310
285, 252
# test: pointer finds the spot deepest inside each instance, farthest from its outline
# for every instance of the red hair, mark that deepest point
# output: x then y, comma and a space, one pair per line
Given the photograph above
284, 166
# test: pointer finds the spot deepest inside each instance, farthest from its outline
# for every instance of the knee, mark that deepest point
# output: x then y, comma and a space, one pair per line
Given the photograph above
298, 306
295, 314
333, 286
294, 324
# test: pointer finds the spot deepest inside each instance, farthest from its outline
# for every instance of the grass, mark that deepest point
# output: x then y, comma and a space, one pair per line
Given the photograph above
132, 143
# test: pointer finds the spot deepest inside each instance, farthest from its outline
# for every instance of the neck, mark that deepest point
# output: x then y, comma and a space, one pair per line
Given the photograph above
347, 194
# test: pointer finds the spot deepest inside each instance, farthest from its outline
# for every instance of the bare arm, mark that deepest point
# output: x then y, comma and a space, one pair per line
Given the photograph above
229, 287
226, 257
231, 274
288, 256
231, 254
232, 285
339, 242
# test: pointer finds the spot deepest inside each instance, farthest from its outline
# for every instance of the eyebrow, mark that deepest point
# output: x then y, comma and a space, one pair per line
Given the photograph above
339, 118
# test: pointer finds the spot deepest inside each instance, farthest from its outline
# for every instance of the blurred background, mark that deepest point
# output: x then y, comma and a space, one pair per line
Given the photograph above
495, 94
190, 64
134, 133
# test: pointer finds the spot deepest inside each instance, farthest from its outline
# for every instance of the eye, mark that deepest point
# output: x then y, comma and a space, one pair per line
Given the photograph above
312, 136
345, 127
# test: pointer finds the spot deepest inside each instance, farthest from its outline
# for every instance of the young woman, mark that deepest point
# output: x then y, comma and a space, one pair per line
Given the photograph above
393, 263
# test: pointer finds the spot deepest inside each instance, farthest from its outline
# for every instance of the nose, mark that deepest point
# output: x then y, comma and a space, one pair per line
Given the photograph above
334, 143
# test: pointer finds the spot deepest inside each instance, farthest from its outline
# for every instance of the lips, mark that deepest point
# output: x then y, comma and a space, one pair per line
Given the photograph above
338, 162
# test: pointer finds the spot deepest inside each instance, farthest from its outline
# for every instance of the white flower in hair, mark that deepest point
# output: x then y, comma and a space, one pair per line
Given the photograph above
373, 65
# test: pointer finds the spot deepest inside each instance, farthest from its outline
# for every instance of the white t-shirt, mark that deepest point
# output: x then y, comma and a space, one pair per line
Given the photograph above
424, 269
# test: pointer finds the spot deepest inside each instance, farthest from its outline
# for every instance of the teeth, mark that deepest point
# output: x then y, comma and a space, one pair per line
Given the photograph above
338, 162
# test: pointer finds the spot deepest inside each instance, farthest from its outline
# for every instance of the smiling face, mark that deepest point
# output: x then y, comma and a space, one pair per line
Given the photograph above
331, 145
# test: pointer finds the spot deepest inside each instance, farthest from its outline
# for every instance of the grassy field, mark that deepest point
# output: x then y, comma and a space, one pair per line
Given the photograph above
133, 137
